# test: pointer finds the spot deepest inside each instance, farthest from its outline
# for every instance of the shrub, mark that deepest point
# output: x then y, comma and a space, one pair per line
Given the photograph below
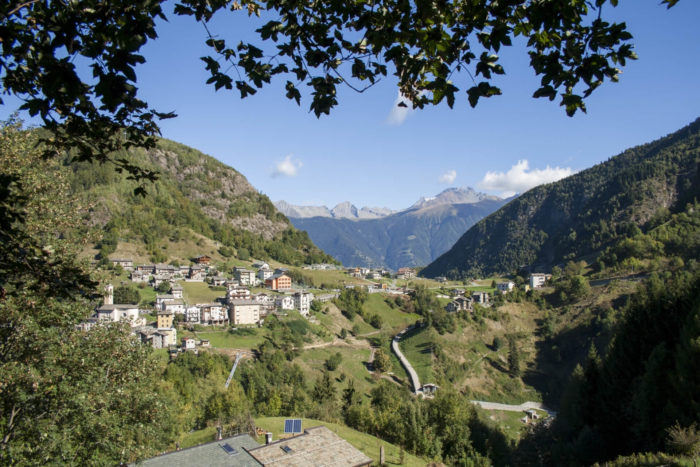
333, 361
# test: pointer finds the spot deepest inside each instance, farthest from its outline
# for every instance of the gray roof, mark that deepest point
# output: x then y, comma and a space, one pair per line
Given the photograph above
244, 302
210, 454
317, 446
118, 306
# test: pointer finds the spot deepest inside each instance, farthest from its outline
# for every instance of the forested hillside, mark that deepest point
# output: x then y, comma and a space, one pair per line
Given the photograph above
195, 193
641, 395
590, 212
408, 238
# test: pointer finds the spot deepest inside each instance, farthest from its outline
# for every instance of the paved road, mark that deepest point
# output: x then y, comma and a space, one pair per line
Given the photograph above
514, 408
404, 361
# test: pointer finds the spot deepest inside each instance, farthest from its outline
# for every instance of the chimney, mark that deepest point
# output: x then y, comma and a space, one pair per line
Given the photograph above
268, 437
219, 436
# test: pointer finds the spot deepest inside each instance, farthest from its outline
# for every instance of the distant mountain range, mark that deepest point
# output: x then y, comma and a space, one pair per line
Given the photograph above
347, 210
616, 207
379, 237
344, 210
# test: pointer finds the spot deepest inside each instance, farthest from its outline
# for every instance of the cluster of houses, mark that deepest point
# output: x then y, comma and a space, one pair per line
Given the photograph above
155, 274
237, 307
466, 303
376, 274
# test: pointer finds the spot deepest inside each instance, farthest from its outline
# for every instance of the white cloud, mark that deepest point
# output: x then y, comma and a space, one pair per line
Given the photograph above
521, 178
448, 177
399, 113
286, 167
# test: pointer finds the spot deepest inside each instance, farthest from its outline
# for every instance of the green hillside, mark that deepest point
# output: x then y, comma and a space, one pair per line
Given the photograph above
587, 213
197, 205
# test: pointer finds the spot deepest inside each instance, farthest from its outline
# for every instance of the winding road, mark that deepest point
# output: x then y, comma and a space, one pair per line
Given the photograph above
417, 388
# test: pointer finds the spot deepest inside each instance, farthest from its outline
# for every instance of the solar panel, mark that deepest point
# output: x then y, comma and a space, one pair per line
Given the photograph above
230, 450
292, 425
286, 449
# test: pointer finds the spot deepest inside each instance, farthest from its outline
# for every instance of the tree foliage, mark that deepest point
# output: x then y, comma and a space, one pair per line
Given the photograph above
350, 301
127, 294
643, 395
68, 396
434, 50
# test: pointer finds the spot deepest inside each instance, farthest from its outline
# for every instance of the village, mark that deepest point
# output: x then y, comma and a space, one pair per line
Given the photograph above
239, 305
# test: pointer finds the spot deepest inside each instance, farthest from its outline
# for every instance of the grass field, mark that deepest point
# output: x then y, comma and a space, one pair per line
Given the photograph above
417, 349
509, 422
368, 444
148, 295
199, 292
224, 340
353, 365
393, 318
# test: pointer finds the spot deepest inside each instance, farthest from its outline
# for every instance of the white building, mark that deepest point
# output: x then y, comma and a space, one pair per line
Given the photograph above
284, 302
264, 273
176, 291
114, 313
244, 276
193, 314
188, 343
212, 313
266, 301
175, 306
162, 298
237, 292
302, 302
537, 280
505, 287
244, 312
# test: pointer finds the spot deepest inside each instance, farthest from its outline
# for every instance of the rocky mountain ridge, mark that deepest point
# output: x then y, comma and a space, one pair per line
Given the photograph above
347, 210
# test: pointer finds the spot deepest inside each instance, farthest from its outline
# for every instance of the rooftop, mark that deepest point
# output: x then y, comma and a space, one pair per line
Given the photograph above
317, 446
244, 302
227, 452
117, 307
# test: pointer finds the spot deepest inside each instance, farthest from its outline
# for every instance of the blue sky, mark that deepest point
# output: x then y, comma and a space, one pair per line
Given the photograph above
358, 154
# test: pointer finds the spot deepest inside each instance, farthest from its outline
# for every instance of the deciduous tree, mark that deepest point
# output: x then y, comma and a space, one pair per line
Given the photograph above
66, 395
435, 50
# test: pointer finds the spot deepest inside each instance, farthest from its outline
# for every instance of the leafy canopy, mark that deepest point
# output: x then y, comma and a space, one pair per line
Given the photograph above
434, 49
67, 396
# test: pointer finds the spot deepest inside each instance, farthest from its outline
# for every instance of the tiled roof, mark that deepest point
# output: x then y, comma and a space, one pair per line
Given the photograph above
318, 446
212, 454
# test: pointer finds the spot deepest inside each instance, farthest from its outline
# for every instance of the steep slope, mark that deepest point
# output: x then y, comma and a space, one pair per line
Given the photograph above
195, 193
408, 238
582, 214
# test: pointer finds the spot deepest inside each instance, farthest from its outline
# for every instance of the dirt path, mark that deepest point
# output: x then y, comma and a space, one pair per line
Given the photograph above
349, 342
514, 408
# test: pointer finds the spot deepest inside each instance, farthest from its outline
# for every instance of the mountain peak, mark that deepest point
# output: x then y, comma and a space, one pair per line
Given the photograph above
344, 210
453, 195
